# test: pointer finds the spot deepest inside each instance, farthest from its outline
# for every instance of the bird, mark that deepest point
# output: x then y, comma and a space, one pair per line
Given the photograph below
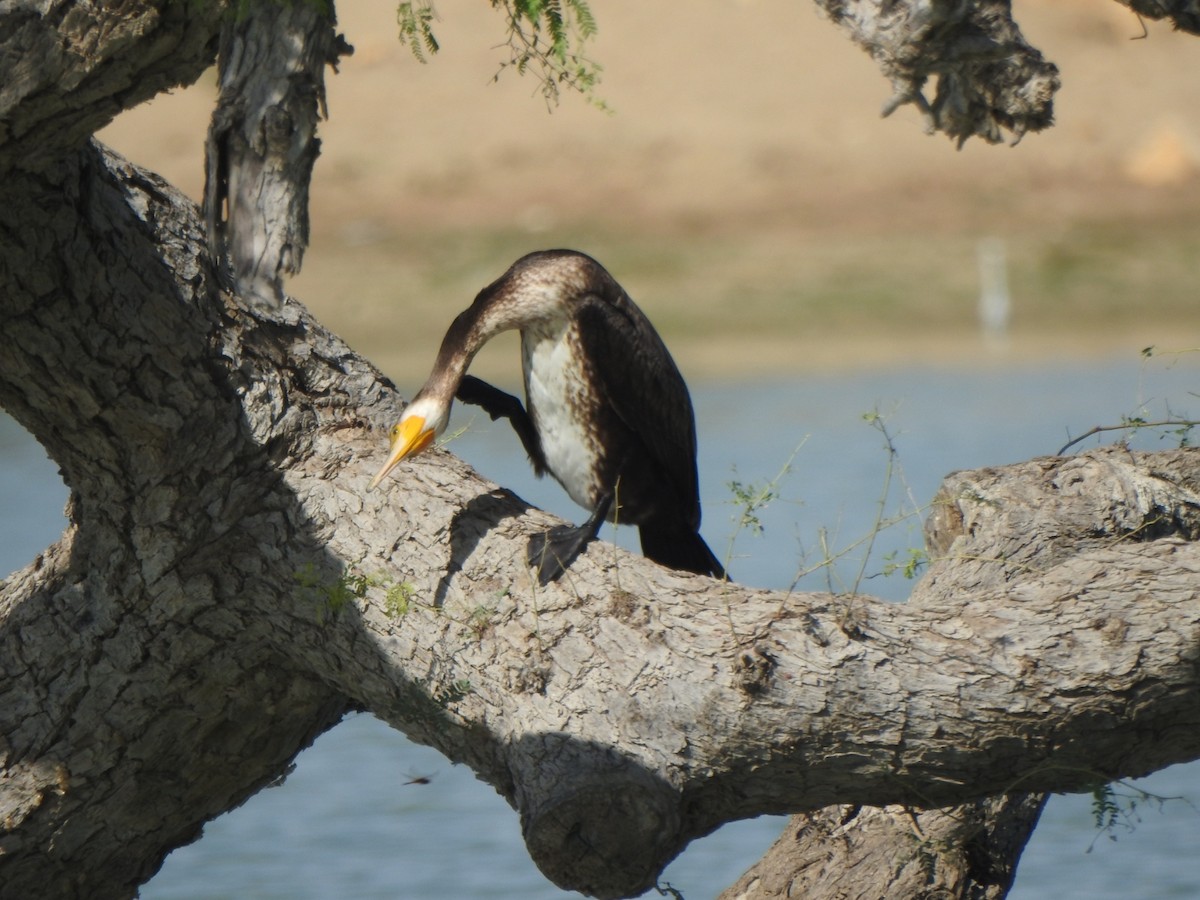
606, 410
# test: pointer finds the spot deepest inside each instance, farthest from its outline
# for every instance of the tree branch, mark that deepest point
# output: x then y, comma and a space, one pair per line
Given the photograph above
863, 853
220, 522
1183, 14
262, 142
67, 68
989, 79
226, 589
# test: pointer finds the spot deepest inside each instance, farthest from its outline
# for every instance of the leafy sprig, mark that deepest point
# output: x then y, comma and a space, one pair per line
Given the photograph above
544, 37
416, 18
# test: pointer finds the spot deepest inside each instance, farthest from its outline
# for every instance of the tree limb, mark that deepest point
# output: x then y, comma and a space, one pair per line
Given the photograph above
262, 142
863, 853
67, 68
989, 79
1183, 14
203, 607
225, 589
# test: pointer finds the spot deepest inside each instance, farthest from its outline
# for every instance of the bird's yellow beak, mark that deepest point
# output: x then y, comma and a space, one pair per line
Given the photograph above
409, 437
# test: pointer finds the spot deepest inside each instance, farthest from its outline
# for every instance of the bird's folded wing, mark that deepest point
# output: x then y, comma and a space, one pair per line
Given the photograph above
642, 384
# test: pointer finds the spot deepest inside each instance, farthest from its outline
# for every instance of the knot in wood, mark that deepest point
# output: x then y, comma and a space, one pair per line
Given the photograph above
609, 836
755, 668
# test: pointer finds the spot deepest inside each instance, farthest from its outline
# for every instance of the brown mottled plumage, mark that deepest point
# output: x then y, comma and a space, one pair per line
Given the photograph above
608, 414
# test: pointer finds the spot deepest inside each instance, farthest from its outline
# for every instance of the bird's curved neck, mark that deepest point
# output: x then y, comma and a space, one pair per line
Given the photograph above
517, 300
467, 334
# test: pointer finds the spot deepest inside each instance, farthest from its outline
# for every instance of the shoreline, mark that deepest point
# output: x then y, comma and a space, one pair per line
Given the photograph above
750, 358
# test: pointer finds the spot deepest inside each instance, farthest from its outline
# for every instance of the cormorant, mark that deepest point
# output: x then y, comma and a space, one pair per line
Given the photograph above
607, 412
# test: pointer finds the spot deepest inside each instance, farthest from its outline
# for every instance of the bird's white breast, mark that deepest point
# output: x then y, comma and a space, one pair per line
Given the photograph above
558, 397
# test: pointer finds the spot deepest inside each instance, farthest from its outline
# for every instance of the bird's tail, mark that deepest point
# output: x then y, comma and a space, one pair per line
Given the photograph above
679, 547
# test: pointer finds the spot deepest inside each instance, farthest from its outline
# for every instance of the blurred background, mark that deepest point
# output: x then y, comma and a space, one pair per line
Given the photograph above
809, 264
743, 188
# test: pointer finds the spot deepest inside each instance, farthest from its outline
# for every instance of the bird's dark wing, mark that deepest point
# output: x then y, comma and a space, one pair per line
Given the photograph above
642, 385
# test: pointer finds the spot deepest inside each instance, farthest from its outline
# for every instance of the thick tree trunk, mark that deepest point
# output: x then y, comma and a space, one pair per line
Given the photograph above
988, 532
864, 853
226, 589
132, 695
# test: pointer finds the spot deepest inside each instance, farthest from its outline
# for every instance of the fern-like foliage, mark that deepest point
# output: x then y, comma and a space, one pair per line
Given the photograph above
416, 20
548, 38
544, 37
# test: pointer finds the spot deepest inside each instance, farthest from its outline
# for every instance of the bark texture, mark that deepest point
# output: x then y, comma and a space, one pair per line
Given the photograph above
68, 67
864, 853
262, 142
125, 698
1183, 14
989, 530
226, 589
990, 81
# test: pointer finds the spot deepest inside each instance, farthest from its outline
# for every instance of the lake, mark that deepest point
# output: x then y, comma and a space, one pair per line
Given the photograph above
347, 822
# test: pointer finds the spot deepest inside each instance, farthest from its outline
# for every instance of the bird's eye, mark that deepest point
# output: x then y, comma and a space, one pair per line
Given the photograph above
395, 431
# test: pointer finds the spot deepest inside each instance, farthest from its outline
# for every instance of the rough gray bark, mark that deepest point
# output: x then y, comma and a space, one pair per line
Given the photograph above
864, 853
989, 79
1002, 529
990, 82
225, 589
127, 706
67, 67
262, 142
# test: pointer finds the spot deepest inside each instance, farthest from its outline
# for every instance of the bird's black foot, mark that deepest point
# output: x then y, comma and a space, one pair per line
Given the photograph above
552, 551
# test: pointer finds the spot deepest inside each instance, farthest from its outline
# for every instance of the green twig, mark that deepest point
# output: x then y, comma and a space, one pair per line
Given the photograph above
1132, 424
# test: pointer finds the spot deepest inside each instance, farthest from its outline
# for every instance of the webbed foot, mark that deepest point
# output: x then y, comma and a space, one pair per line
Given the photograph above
552, 551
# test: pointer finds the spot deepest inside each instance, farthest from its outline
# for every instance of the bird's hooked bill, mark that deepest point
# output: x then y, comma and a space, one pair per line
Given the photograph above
409, 437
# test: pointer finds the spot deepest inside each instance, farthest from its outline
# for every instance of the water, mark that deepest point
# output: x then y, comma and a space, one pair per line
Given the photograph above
345, 823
